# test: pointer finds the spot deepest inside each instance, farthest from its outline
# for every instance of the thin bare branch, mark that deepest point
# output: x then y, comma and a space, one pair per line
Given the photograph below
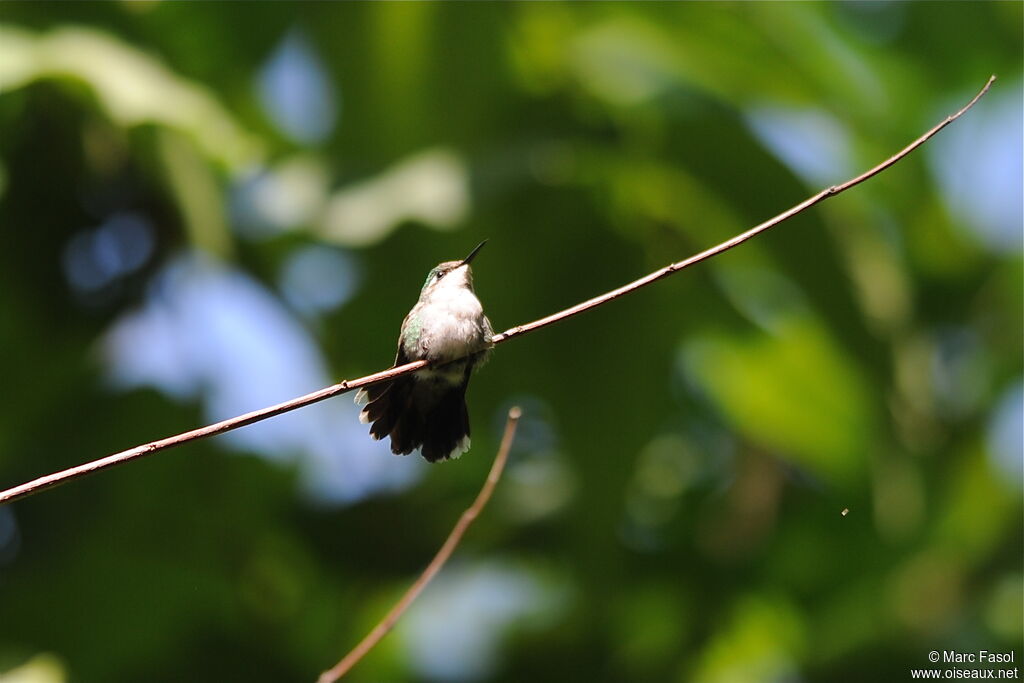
741, 238
385, 625
63, 476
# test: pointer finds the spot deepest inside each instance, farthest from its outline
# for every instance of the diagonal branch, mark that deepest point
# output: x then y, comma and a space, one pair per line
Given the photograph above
385, 625
49, 481
741, 238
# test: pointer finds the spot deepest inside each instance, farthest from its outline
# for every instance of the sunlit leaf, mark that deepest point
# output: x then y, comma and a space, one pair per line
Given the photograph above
793, 392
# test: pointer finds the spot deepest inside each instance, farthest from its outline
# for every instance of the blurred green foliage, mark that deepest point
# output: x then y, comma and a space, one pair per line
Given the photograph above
274, 180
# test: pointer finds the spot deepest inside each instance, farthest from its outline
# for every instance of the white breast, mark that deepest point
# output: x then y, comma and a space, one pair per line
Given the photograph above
452, 325
452, 321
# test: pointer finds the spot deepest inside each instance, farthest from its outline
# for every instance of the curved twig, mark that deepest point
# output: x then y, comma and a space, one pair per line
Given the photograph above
385, 625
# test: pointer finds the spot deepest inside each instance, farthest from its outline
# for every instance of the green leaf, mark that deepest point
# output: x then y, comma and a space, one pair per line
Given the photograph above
792, 392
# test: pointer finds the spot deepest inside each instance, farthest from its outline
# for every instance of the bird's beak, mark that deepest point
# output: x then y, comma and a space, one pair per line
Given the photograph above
473, 253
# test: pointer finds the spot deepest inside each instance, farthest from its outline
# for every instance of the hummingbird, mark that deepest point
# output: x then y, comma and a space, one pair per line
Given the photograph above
427, 409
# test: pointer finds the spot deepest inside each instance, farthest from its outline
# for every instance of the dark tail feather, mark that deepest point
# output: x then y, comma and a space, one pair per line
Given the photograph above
403, 421
418, 414
371, 393
387, 408
446, 433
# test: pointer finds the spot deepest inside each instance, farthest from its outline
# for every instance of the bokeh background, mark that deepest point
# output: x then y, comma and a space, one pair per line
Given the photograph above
208, 208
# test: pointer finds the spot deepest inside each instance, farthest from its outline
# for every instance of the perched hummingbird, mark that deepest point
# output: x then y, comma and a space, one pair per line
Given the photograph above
427, 409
